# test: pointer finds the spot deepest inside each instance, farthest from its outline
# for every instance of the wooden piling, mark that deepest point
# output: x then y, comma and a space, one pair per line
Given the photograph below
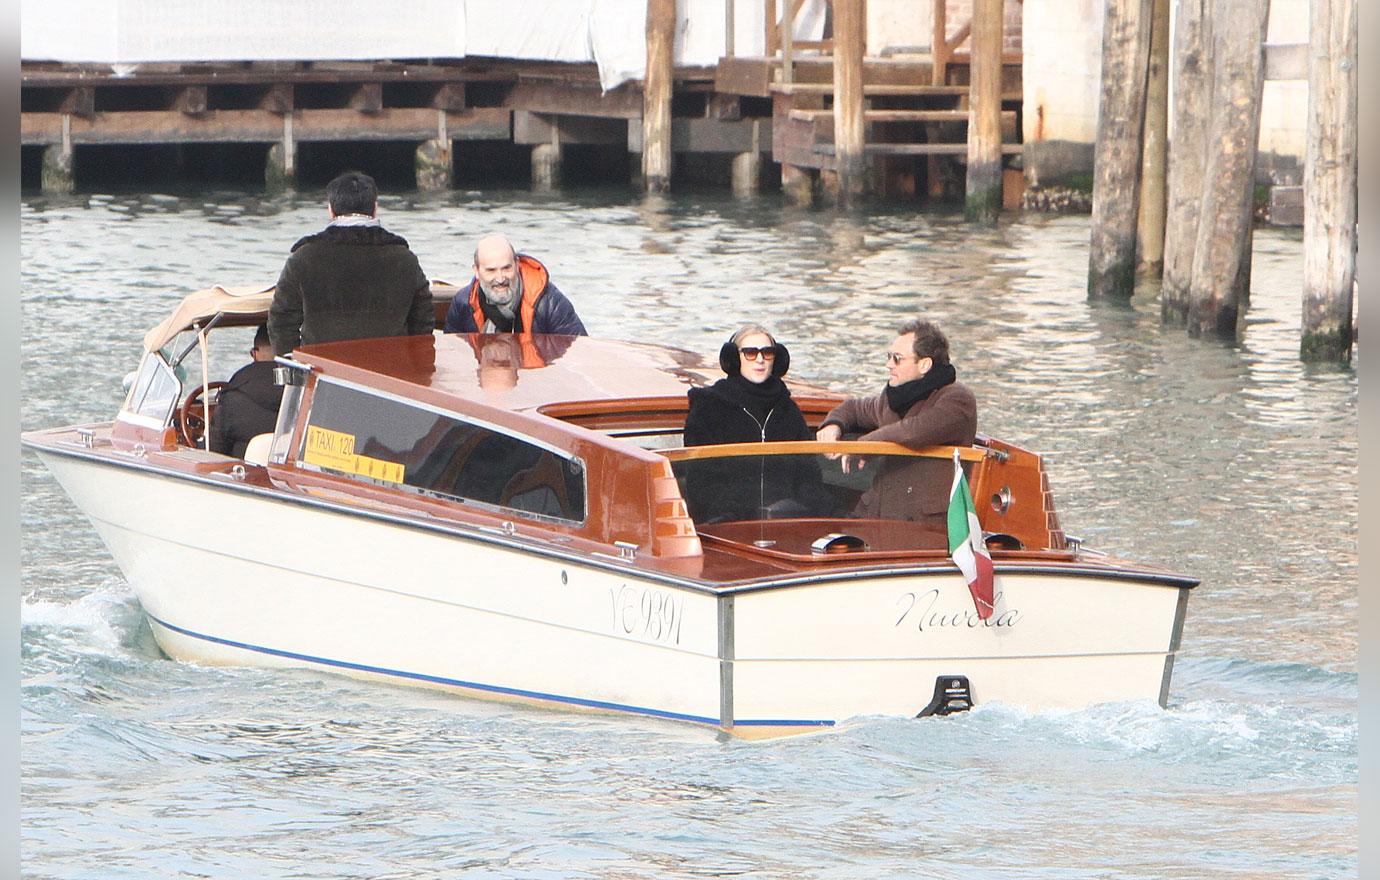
730, 25
939, 44
546, 167
746, 173
656, 95
1154, 151
1117, 160
797, 185
191, 100
849, 136
280, 167
58, 174
983, 189
1187, 153
939, 76
1330, 169
1222, 254
434, 165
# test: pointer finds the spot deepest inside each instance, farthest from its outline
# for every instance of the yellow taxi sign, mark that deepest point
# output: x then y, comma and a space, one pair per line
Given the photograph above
336, 450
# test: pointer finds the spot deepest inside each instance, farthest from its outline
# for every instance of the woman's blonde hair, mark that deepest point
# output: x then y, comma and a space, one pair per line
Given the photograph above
748, 330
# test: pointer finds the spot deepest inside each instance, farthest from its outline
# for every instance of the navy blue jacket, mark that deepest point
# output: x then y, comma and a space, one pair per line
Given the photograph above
544, 309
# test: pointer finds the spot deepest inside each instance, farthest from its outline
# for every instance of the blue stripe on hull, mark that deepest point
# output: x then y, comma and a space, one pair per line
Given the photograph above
489, 688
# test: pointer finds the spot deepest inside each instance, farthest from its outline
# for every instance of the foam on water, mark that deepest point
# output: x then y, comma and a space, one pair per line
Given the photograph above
101, 620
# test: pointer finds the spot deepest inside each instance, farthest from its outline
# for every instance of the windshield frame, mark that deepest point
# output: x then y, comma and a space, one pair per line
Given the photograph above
136, 408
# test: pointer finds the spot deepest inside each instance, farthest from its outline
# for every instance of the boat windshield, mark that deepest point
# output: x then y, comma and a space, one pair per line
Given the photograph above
153, 394
894, 497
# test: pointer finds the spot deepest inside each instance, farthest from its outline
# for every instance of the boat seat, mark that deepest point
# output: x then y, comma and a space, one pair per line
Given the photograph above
257, 450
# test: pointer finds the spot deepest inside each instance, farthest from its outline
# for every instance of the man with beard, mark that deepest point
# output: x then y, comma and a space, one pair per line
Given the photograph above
352, 280
922, 404
510, 293
248, 404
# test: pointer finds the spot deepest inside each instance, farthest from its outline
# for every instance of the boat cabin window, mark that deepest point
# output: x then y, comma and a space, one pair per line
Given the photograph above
387, 441
154, 394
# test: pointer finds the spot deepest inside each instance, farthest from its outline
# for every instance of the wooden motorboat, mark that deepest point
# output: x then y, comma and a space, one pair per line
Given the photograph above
509, 517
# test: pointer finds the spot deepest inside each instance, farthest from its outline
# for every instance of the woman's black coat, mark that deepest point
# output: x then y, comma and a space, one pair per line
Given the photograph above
733, 411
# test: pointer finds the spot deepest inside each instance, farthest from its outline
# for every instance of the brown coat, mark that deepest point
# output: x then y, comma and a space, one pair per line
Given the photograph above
920, 487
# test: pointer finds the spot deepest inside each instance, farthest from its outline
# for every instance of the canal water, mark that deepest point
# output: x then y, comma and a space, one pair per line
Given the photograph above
1233, 463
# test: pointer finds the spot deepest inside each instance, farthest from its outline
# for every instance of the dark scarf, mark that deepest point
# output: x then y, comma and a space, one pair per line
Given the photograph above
502, 323
902, 397
756, 399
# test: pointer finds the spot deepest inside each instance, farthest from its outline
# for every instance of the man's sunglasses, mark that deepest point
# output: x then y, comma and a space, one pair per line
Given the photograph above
750, 353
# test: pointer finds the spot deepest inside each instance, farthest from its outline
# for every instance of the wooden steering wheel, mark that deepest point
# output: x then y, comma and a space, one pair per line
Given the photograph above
190, 423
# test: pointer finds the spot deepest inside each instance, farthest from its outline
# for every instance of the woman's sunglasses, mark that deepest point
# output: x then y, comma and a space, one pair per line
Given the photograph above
750, 353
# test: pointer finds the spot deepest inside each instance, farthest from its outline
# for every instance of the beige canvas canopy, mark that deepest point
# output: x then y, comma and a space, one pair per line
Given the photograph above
246, 305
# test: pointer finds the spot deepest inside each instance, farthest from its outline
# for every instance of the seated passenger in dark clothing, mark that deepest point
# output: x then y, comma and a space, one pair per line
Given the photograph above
248, 404
751, 405
923, 404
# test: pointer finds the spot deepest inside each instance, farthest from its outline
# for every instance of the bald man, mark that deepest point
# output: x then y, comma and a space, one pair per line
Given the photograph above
510, 293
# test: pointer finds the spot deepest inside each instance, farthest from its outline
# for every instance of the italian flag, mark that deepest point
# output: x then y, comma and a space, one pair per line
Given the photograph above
966, 547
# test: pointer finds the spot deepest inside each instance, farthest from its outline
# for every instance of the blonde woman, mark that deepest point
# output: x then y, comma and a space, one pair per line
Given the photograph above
750, 405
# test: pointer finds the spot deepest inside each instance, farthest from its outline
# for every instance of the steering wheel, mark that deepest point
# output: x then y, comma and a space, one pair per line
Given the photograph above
190, 422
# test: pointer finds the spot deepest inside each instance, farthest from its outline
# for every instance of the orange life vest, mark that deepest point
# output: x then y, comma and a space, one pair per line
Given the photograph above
534, 277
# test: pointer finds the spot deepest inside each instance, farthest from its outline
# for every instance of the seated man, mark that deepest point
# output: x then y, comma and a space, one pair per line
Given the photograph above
510, 293
248, 404
922, 404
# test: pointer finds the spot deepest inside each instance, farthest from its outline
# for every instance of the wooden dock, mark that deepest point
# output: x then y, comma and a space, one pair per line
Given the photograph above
770, 117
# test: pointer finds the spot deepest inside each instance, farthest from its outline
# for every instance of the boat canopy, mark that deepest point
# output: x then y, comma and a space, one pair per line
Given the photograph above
244, 304
196, 309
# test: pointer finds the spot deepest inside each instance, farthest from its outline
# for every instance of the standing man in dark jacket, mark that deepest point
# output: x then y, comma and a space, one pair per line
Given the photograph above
510, 293
923, 404
352, 280
248, 404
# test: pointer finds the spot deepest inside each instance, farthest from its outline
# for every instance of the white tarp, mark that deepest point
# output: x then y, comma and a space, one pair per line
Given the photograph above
618, 33
139, 31
610, 33
534, 30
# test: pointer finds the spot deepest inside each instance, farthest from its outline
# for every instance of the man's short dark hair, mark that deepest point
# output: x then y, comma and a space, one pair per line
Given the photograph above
353, 192
930, 341
261, 336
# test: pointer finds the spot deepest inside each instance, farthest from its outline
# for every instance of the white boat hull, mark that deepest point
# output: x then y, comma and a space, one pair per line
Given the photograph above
233, 575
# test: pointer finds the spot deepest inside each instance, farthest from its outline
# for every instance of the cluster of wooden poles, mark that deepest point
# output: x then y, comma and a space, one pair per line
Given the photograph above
1182, 206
